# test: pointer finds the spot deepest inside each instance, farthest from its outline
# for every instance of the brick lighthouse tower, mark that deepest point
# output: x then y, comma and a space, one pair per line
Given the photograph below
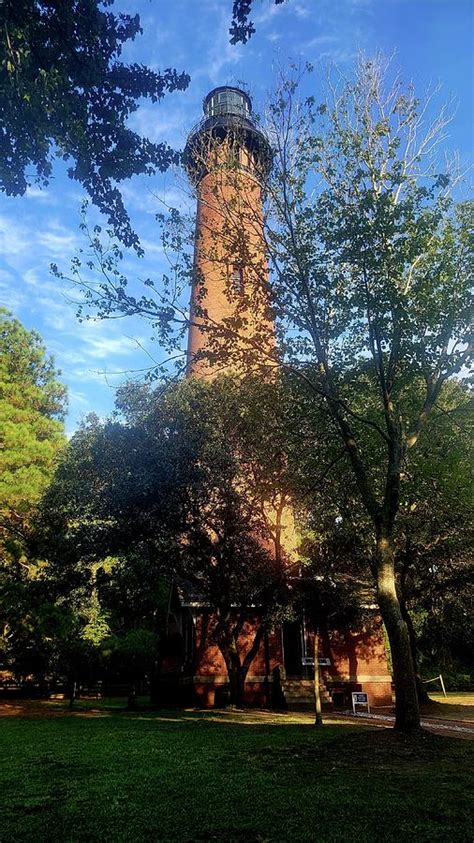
228, 160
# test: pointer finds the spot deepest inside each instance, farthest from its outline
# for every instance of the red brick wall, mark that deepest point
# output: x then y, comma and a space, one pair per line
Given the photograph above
359, 658
229, 201
358, 662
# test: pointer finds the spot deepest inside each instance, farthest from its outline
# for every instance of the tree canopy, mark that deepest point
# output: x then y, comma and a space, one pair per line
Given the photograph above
64, 92
180, 487
373, 263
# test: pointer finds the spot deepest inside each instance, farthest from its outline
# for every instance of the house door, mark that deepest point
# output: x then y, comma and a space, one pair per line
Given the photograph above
293, 648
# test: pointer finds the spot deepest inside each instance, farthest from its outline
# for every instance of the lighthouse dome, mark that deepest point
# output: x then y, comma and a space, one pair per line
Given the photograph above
227, 100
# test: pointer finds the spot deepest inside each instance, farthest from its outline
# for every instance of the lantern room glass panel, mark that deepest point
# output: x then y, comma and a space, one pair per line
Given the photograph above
227, 102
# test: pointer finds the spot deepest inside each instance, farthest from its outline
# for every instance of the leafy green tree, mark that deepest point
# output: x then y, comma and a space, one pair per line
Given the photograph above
434, 539
104, 533
32, 406
44, 641
181, 487
64, 92
373, 262
134, 655
104, 530
433, 532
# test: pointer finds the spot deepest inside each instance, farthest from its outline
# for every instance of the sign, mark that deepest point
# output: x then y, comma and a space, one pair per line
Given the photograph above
360, 698
323, 661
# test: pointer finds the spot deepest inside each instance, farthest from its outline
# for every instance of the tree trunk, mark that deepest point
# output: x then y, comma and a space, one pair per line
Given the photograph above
236, 672
155, 678
318, 719
237, 677
421, 691
72, 692
266, 650
132, 702
237, 668
407, 713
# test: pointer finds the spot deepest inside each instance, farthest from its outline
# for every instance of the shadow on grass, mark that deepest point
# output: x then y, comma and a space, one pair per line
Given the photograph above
102, 773
454, 707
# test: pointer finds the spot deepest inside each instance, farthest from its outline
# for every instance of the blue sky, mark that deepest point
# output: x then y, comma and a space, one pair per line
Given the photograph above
433, 41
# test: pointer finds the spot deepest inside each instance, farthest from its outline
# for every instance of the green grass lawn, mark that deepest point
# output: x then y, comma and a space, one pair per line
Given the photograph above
221, 776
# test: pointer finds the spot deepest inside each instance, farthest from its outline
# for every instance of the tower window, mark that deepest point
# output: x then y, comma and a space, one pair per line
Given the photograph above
237, 278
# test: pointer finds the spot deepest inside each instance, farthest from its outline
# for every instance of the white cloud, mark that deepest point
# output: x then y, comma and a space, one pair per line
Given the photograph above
11, 296
30, 277
14, 238
90, 375
78, 397
42, 281
268, 13
301, 10
161, 125
104, 347
41, 195
150, 247
6, 277
26, 240
69, 356
222, 53
56, 318
321, 39
58, 240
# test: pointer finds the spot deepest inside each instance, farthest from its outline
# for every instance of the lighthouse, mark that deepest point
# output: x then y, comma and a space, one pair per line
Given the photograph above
231, 330
228, 160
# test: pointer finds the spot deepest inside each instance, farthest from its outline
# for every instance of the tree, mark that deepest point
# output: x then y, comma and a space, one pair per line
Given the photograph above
434, 539
180, 488
32, 405
232, 549
65, 93
134, 653
432, 535
377, 265
47, 640
104, 531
